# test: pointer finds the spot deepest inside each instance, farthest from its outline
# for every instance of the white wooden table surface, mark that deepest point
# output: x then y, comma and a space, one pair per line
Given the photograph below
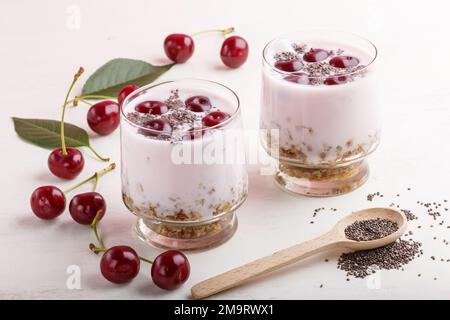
42, 45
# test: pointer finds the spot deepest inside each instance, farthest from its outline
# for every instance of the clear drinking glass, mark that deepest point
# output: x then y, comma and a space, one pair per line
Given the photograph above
320, 128
184, 193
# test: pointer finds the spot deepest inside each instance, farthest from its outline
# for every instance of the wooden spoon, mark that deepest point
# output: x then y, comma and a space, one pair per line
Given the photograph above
334, 239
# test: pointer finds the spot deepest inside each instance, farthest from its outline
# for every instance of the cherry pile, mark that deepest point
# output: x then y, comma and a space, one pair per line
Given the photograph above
314, 55
180, 47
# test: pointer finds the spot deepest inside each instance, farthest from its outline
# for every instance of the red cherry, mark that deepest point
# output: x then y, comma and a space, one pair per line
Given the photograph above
214, 118
198, 104
331, 81
66, 166
125, 92
103, 117
344, 62
179, 47
301, 78
234, 51
289, 66
170, 270
84, 207
152, 107
120, 264
47, 202
315, 55
157, 126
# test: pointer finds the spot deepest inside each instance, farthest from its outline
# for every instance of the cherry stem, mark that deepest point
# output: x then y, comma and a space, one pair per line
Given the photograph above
97, 155
75, 100
86, 102
145, 260
96, 250
94, 228
96, 181
223, 31
96, 176
75, 78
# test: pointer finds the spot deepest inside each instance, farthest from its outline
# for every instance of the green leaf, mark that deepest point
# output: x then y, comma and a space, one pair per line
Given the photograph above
117, 73
46, 133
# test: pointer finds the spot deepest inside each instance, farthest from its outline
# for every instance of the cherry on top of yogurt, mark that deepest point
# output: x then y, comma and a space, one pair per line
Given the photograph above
315, 55
344, 62
215, 118
152, 107
198, 103
289, 65
300, 77
161, 125
334, 80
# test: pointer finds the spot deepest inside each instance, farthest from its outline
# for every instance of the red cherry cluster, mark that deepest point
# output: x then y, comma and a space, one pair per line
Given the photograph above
121, 264
180, 47
316, 55
48, 202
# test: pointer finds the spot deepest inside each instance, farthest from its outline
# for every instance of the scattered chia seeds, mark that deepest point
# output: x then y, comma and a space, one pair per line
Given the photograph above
361, 264
371, 229
409, 215
371, 196
318, 210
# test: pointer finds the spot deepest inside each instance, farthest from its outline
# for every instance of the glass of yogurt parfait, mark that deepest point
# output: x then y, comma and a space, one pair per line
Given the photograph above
320, 115
183, 162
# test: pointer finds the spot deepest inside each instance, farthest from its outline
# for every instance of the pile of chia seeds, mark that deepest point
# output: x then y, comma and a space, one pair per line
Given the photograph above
370, 229
361, 264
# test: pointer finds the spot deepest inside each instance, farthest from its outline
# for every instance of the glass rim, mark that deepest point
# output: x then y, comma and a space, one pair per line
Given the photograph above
375, 55
139, 91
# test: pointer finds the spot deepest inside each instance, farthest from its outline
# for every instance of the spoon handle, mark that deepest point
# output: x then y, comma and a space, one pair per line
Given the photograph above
277, 260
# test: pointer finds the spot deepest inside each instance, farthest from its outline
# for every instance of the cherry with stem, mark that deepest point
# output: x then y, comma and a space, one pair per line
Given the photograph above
180, 47
85, 207
48, 202
67, 162
102, 248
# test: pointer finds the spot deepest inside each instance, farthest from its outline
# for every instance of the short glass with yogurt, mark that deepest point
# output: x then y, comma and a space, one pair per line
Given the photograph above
183, 162
320, 113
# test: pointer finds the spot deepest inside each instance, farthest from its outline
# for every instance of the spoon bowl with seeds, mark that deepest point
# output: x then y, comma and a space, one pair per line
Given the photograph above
361, 230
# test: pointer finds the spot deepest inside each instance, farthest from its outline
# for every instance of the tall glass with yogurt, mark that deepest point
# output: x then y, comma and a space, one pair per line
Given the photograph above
320, 113
183, 162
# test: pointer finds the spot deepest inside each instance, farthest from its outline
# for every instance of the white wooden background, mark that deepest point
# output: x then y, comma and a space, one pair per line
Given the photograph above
43, 43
